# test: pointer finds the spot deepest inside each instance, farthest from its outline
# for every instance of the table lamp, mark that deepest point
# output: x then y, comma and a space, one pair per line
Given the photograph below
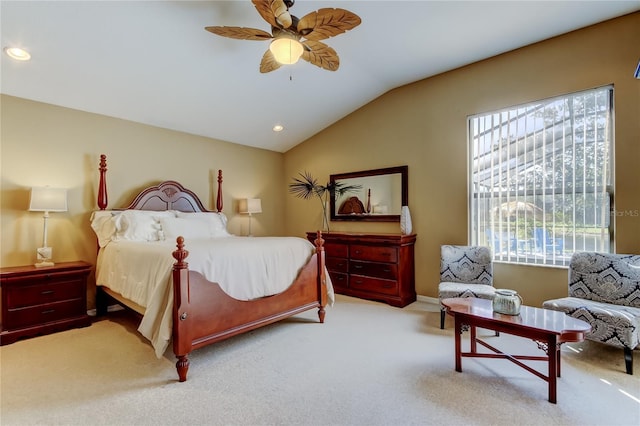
250, 206
46, 199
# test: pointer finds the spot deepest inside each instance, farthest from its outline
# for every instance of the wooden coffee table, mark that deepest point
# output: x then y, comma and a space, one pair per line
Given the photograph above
549, 329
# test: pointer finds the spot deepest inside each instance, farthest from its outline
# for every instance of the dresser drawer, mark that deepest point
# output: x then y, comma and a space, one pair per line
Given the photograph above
30, 295
336, 249
375, 254
37, 315
374, 269
375, 285
339, 280
337, 264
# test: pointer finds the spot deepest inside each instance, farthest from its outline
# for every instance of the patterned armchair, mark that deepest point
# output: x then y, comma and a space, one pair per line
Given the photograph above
604, 290
465, 271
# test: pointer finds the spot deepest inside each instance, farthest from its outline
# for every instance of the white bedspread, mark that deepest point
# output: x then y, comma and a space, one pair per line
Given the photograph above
245, 268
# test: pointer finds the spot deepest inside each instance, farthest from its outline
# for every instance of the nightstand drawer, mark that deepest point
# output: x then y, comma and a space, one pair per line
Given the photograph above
373, 285
374, 269
375, 254
41, 314
30, 295
337, 264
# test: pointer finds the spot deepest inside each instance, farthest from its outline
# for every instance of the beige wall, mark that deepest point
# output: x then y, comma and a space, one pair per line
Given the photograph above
43, 144
423, 125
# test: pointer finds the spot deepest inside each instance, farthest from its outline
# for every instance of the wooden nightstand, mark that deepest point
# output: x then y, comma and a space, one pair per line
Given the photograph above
42, 300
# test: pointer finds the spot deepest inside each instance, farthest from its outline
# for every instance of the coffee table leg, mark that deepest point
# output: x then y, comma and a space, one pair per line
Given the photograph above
458, 337
472, 337
552, 354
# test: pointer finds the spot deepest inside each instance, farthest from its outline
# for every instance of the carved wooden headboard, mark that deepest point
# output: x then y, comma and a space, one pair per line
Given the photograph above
168, 195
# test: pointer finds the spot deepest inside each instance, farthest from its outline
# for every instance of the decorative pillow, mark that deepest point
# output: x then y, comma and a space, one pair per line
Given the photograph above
175, 227
140, 225
217, 222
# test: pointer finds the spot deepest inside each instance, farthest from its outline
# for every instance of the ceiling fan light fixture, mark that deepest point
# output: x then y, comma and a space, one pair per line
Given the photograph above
286, 50
17, 53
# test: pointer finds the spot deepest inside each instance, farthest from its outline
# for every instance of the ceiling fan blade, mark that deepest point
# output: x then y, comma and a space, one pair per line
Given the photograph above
274, 12
240, 33
327, 22
321, 55
268, 62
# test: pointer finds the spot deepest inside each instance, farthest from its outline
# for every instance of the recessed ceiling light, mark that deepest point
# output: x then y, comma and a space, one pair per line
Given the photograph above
278, 128
17, 53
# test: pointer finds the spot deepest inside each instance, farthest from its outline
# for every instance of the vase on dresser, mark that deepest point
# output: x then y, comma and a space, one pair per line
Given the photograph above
406, 227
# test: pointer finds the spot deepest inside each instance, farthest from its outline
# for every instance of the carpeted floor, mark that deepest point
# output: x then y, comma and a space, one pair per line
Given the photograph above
369, 364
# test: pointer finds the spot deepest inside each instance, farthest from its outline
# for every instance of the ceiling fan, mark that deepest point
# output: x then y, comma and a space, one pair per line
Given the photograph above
294, 38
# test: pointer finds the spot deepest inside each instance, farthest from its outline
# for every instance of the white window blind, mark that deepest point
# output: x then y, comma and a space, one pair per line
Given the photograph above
540, 178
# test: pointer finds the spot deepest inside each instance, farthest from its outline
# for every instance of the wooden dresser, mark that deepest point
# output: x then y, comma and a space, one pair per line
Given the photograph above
42, 300
371, 266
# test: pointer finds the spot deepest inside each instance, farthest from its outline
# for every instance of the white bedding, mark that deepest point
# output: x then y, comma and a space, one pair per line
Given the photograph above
245, 268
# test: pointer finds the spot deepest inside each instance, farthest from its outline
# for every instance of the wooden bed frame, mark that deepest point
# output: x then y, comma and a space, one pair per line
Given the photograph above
202, 312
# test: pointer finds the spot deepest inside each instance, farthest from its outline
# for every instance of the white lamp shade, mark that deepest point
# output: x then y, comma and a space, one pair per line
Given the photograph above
250, 205
45, 199
286, 50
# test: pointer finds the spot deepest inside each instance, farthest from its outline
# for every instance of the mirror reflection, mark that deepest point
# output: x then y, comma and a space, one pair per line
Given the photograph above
381, 196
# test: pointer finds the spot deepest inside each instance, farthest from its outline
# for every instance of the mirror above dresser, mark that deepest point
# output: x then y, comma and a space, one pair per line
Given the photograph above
380, 198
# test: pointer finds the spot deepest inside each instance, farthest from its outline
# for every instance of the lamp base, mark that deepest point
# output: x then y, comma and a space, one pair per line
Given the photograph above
43, 254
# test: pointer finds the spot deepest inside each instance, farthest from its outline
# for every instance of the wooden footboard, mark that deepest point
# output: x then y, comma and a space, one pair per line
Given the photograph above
203, 313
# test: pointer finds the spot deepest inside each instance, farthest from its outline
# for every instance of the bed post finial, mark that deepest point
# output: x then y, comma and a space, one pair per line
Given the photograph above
102, 186
180, 255
219, 198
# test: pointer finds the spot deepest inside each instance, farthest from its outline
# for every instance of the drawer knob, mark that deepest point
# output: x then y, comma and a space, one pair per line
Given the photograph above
45, 292
48, 311
357, 266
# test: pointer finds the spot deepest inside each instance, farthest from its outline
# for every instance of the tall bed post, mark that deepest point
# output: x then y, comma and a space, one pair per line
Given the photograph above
321, 279
219, 198
102, 186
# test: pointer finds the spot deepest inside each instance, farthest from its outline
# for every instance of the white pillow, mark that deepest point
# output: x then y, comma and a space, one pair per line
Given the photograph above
217, 222
140, 225
103, 224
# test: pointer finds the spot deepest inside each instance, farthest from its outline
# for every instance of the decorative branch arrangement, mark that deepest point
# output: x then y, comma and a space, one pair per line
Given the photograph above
307, 187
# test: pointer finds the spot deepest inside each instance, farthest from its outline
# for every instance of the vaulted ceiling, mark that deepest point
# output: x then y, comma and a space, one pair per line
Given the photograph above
152, 61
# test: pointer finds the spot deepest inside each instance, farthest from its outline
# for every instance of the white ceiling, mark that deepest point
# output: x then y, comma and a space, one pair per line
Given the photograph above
152, 61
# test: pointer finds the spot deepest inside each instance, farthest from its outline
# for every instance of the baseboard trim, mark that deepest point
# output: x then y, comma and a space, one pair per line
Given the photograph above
428, 299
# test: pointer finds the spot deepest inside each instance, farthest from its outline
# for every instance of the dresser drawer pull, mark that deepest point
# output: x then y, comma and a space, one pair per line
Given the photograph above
48, 311
388, 285
45, 292
357, 266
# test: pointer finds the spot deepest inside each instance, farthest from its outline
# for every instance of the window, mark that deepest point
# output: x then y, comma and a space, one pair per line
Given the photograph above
540, 178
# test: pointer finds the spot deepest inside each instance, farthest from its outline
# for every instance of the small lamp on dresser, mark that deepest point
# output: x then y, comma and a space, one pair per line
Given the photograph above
46, 199
250, 206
